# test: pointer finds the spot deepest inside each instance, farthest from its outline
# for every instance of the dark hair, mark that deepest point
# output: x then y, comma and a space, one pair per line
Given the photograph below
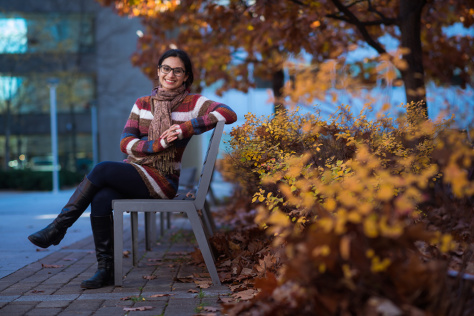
188, 67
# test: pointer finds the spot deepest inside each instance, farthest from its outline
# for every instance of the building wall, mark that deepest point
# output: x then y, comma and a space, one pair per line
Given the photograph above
117, 83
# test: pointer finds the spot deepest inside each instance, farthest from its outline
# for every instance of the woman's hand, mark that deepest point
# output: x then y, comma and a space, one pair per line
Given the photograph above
171, 134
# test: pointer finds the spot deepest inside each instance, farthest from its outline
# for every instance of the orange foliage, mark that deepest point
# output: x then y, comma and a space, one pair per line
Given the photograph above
355, 204
235, 42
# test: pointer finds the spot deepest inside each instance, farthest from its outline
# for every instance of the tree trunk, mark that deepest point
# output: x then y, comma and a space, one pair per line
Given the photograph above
278, 81
410, 29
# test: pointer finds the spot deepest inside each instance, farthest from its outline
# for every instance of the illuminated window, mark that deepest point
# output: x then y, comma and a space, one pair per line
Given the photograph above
46, 33
13, 36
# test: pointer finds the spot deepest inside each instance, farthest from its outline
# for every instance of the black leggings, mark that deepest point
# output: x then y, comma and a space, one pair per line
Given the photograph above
116, 180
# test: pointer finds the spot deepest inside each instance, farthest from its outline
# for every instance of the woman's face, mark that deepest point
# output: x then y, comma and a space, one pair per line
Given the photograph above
175, 77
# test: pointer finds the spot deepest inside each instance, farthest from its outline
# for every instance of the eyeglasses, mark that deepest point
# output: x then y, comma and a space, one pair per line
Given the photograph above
178, 72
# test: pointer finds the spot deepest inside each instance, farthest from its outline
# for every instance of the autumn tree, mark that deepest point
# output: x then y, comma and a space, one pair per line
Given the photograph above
238, 42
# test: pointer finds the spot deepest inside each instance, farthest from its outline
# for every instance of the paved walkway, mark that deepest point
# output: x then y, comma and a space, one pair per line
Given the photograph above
163, 282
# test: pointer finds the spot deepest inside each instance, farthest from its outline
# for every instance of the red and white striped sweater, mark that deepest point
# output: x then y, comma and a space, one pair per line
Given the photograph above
195, 115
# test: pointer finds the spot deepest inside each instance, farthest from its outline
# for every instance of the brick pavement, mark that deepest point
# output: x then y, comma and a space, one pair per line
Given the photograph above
161, 283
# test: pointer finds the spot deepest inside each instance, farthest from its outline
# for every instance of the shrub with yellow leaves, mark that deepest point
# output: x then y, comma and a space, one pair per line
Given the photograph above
356, 204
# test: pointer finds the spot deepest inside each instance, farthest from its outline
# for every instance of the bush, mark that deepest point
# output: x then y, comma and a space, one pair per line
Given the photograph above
370, 213
37, 180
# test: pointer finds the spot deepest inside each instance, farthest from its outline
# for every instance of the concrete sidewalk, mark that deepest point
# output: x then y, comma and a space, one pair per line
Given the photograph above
163, 282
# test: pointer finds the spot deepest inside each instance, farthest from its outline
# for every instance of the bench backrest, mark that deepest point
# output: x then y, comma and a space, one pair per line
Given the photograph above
209, 163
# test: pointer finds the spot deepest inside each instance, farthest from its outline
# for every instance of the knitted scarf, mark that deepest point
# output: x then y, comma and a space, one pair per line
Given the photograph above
163, 102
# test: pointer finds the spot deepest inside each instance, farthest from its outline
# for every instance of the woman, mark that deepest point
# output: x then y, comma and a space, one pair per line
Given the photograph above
154, 138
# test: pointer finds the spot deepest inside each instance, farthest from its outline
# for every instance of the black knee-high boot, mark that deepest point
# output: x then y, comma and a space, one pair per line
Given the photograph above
103, 231
77, 204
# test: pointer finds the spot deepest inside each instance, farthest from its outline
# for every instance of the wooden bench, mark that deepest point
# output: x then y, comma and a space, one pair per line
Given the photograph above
194, 207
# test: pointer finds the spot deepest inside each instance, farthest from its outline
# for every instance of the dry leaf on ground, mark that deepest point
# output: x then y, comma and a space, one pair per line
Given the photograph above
161, 295
245, 295
51, 266
136, 309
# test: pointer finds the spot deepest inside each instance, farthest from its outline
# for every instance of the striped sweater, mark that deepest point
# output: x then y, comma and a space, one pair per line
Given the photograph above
195, 115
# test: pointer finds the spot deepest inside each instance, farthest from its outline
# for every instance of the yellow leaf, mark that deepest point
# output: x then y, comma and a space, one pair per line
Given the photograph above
326, 224
279, 218
330, 204
370, 227
323, 250
385, 193
345, 247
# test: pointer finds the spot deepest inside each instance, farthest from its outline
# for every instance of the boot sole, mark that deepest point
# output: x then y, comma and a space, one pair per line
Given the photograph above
36, 243
94, 286
42, 245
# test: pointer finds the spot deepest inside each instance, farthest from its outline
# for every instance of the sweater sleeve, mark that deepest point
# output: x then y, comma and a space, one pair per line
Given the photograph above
134, 140
208, 113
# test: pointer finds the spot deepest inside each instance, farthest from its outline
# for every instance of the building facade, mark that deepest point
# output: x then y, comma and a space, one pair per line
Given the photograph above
87, 48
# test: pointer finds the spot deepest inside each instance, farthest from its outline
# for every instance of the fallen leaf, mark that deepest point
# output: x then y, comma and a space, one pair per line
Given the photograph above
193, 291
37, 291
40, 249
210, 309
237, 287
135, 309
203, 284
187, 279
126, 253
149, 277
161, 295
226, 300
245, 295
70, 259
51, 266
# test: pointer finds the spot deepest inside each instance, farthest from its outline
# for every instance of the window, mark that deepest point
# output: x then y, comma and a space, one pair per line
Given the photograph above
12, 35
46, 33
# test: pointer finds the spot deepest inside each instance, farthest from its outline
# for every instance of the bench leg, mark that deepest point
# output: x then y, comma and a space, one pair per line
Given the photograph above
208, 219
134, 224
118, 248
162, 224
150, 229
204, 245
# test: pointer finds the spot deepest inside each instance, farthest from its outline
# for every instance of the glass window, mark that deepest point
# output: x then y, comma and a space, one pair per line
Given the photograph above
12, 35
30, 94
46, 33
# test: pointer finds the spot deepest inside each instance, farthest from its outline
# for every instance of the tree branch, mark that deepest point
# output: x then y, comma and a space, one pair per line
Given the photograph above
383, 18
352, 19
299, 2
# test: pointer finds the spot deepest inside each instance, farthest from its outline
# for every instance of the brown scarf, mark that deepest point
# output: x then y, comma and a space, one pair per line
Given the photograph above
163, 102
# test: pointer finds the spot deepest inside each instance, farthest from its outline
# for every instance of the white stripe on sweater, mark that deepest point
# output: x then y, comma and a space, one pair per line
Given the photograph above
153, 183
187, 116
142, 113
218, 116
130, 145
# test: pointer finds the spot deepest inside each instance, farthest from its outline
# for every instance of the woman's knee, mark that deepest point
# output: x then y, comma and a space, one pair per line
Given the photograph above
99, 172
